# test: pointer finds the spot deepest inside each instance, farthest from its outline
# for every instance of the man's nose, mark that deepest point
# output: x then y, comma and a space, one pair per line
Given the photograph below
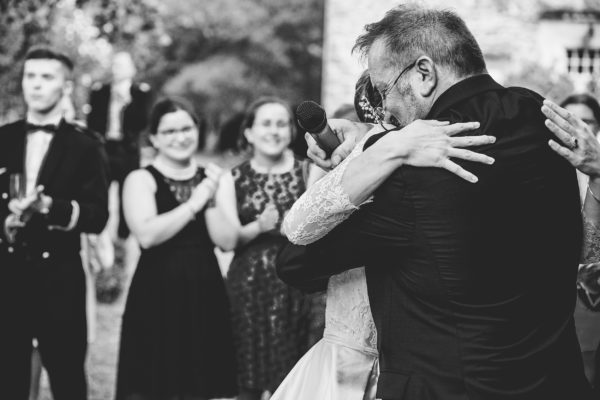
36, 83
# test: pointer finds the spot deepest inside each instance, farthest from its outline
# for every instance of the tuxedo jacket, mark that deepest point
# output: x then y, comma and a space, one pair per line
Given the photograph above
472, 286
74, 169
134, 116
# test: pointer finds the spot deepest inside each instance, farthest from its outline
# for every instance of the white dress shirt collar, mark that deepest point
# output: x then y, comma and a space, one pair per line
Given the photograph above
50, 120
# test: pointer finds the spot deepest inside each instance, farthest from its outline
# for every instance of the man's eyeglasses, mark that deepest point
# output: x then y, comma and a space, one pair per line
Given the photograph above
383, 93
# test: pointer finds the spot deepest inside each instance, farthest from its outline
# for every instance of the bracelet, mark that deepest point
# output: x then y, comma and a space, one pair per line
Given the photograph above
592, 193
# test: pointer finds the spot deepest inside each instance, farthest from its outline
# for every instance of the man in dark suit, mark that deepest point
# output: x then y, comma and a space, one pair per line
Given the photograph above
119, 111
65, 192
471, 285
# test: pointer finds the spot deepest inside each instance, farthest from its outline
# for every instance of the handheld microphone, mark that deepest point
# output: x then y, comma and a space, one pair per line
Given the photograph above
312, 118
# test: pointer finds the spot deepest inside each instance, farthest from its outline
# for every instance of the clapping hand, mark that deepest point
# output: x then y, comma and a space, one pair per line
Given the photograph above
12, 224
267, 220
205, 190
37, 202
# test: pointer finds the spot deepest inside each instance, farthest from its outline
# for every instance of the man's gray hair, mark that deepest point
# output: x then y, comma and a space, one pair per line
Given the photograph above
410, 31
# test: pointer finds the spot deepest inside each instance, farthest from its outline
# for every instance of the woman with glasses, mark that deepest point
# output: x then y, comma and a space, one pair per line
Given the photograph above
176, 339
270, 319
344, 364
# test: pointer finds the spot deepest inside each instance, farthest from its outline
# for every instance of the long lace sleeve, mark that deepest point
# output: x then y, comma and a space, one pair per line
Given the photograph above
323, 206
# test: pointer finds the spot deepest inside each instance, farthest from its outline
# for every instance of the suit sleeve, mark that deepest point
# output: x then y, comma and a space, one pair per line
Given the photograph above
371, 237
91, 197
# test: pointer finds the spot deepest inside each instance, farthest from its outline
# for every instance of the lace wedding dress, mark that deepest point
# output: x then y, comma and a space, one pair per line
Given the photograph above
343, 365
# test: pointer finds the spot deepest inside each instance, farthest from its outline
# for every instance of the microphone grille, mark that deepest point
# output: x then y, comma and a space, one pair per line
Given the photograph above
311, 116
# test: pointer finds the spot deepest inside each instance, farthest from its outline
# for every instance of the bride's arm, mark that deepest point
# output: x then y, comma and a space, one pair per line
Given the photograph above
322, 207
336, 196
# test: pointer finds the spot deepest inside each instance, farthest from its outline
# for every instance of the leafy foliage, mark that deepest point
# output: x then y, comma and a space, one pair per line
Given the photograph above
220, 54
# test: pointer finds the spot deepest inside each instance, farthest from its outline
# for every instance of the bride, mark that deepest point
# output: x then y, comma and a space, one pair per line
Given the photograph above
344, 364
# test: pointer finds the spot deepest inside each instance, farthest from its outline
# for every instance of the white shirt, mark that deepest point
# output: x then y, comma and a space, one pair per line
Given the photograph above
37, 146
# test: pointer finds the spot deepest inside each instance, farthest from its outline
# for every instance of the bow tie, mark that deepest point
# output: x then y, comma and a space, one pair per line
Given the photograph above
50, 128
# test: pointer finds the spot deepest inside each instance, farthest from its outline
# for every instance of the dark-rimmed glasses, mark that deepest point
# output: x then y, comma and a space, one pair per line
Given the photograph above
383, 93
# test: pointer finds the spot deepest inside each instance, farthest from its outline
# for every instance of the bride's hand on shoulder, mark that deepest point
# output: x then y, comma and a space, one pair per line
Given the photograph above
430, 143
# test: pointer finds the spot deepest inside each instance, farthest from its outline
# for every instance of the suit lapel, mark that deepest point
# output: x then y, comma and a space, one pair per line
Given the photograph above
16, 154
54, 156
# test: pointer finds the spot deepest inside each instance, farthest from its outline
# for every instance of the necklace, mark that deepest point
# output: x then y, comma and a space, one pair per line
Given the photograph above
178, 174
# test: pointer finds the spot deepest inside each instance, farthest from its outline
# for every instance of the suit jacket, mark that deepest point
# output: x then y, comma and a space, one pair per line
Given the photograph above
75, 168
135, 114
472, 285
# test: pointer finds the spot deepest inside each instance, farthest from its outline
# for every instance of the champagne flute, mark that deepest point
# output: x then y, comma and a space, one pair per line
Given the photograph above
16, 189
17, 186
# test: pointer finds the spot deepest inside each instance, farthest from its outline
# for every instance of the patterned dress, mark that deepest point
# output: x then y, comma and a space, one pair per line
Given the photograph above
176, 340
270, 319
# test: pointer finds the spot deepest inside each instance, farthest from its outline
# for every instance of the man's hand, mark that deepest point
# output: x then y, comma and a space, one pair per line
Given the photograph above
267, 220
12, 223
348, 132
37, 202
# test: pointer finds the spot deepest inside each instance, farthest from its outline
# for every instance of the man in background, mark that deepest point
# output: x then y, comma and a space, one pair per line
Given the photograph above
53, 187
118, 110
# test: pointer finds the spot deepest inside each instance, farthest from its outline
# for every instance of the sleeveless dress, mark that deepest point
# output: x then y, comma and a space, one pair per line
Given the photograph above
344, 364
176, 340
270, 318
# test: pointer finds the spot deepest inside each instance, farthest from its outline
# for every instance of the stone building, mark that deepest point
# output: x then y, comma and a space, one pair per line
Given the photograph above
552, 46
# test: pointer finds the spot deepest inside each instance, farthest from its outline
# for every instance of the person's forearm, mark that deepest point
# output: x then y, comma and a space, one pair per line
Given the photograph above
163, 227
222, 231
591, 223
369, 170
248, 233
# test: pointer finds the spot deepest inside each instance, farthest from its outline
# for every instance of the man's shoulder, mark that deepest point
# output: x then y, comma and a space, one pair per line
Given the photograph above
82, 135
524, 93
11, 129
510, 106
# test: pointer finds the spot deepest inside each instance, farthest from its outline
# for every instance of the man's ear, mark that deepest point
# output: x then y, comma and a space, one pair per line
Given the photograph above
429, 77
68, 88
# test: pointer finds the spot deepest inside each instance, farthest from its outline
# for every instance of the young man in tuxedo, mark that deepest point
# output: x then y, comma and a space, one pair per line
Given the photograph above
454, 270
64, 172
119, 111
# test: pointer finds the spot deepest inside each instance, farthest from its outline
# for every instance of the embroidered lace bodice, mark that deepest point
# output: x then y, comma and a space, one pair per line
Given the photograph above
348, 314
320, 209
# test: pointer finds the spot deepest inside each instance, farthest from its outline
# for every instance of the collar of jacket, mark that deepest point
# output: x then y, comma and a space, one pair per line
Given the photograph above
463, 90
